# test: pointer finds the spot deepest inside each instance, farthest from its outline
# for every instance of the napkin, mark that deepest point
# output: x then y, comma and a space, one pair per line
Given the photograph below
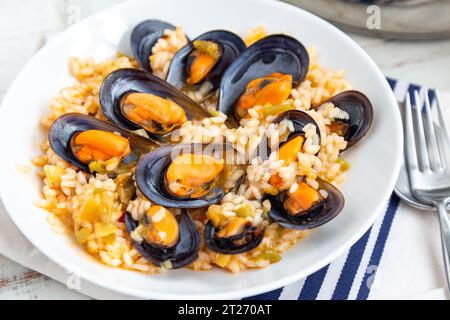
411, 266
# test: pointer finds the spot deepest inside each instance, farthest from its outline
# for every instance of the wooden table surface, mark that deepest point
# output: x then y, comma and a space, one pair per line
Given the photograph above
25, 25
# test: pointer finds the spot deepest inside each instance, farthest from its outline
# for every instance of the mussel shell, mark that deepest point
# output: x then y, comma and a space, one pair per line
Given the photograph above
144, 36
252, 235
66, 126
275, 53
299, 120
315, 217
151, 171
360, 111
124, 81
230, 45
182, 254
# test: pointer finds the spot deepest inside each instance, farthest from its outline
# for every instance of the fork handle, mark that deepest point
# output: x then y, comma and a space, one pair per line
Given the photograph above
444, 222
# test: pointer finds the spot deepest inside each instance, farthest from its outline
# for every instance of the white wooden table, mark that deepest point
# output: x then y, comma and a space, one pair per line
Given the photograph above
26, 24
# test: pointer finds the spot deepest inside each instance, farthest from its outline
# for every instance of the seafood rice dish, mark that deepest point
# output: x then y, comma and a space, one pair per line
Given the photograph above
215, 151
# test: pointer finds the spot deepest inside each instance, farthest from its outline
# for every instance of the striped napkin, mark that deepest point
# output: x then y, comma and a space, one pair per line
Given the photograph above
351, 275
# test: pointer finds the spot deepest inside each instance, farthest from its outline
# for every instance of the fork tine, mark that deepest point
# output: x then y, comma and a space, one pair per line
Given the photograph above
433, 151
422, 152
441, 117
444, 133
410, 145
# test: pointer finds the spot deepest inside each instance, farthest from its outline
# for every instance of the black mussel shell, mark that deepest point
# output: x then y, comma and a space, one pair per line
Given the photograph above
151, 171
251, 237
275, 53
318, 215
230, 45
68, 125
144, 36
360, 111
182, 254
299, 120
124, 81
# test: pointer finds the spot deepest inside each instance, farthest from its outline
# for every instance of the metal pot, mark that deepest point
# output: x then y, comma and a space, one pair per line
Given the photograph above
393, 19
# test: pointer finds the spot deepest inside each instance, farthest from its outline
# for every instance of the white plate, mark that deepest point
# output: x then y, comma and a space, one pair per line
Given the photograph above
375, 160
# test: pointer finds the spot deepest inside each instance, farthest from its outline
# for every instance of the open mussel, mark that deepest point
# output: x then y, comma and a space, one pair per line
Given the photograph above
166, 238
237, 236
134, 99
264, 73
360, 115
91, 144
189, 175
144, 37
205, 59
294, 142
302, 206
300, 120
306, 207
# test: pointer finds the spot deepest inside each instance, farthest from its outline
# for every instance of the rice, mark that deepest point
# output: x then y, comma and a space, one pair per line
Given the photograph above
165, 49
89, 207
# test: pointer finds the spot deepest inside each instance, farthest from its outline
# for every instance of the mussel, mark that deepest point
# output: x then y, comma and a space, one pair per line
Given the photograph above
264, 73
295, 140
84, 140
300, 120
237, 236
302, 206
360, 116
306, 207
189, 175
143, 38
167, 238
134, 99
205, 59
289, 149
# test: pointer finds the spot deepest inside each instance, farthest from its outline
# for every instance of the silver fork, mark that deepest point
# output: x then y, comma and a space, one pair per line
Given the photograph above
427, 150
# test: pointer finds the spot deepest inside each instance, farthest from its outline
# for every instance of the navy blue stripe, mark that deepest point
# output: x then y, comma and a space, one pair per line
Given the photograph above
350, 268
392, 82
430, 92
271, 295
313, 284
431, 96
411, 89
364, 289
